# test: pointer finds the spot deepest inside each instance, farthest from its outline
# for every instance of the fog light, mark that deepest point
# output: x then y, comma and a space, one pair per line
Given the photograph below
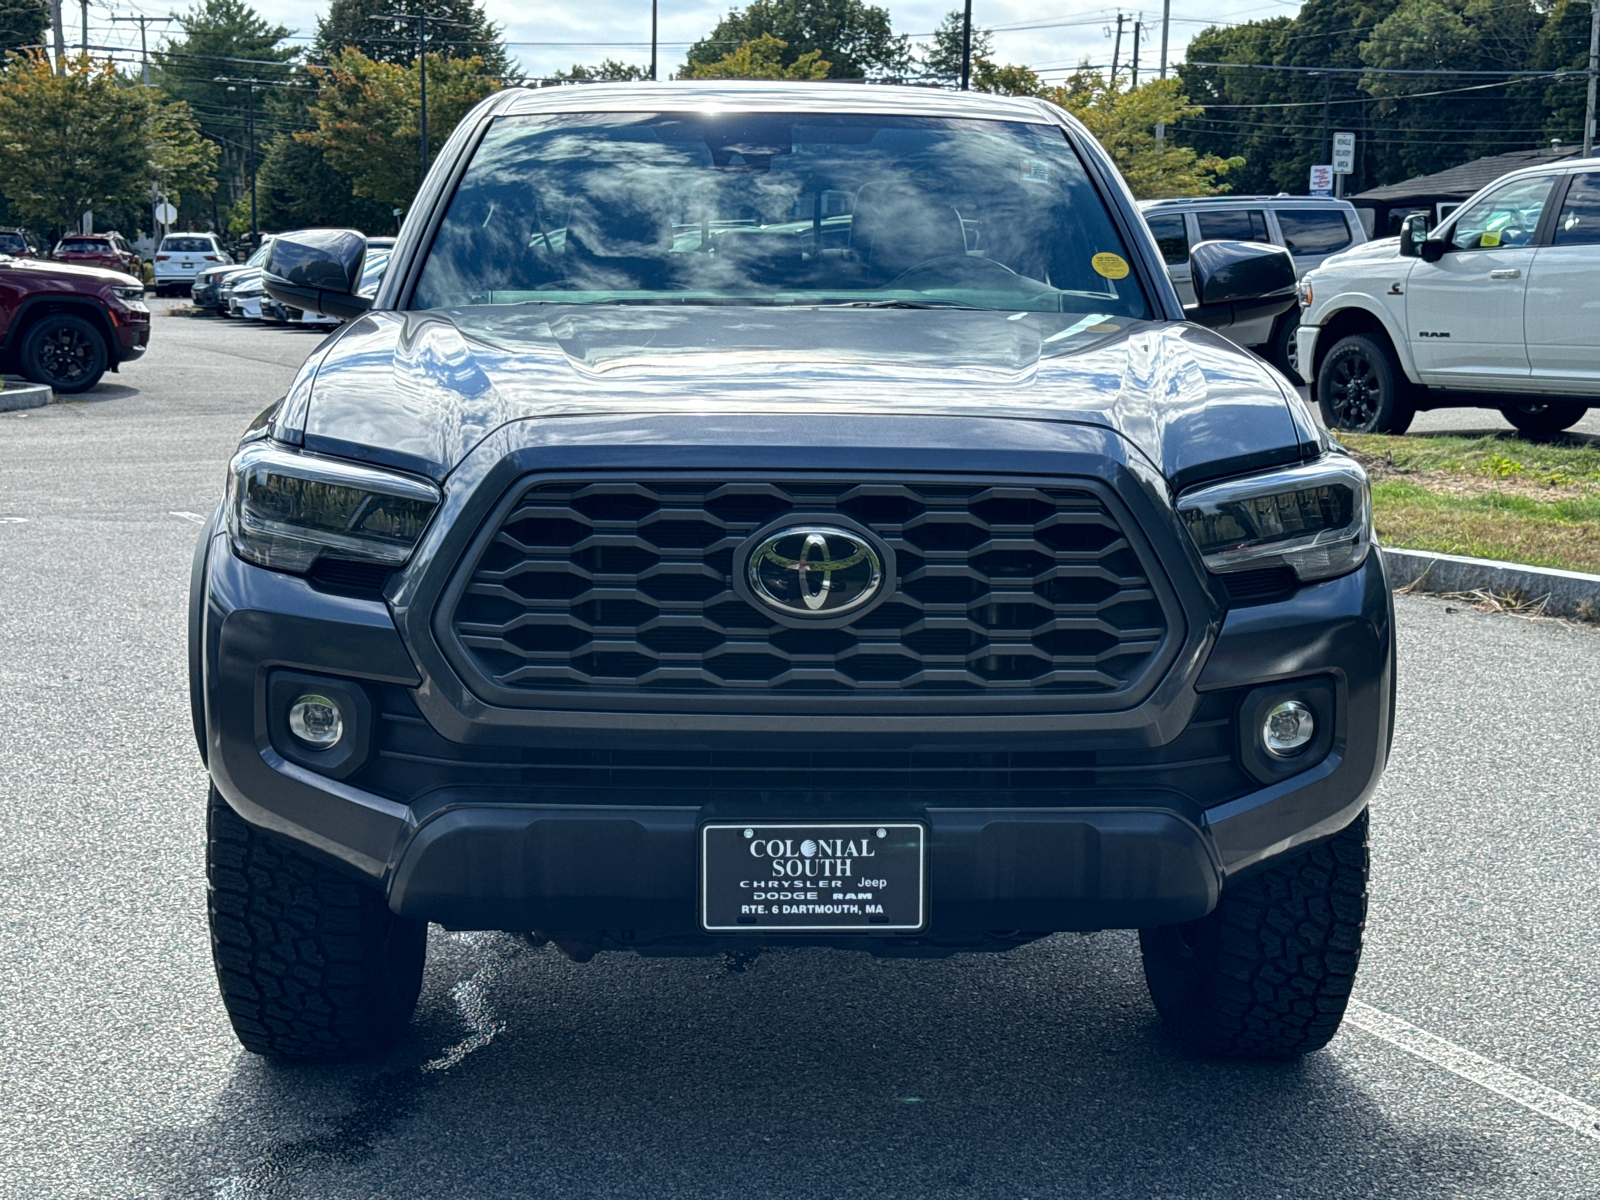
1287, 729
315, 720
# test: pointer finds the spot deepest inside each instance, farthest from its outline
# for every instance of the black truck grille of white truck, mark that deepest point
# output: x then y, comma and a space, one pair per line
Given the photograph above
619, 585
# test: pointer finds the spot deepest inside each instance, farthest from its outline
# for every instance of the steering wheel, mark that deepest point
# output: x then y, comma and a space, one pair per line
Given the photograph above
964, 264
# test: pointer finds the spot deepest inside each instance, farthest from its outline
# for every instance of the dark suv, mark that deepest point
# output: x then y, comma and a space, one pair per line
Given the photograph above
66, 325
770, 516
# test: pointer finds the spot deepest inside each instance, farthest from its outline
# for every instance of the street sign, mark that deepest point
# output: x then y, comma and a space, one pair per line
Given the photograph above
166, 214
1322, 179
1344, 153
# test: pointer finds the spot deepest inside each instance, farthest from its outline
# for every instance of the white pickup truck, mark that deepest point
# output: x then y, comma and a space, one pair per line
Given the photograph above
1499, 307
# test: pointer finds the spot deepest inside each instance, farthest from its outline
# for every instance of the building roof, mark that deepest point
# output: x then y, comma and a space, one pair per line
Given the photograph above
1460, 182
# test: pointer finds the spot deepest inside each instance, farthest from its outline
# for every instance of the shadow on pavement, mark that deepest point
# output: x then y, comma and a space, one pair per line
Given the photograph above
812, 1074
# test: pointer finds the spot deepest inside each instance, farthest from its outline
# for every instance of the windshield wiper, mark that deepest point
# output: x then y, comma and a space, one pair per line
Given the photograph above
897, 304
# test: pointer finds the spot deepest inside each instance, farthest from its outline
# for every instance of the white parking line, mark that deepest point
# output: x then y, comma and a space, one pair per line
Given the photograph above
192, 518
1474, 1068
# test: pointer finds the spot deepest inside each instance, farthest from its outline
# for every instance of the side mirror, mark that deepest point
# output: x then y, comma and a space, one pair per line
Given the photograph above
318, 270
1413, 233
1235, 282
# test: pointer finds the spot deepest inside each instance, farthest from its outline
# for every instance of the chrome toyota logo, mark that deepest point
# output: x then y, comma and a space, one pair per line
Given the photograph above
814, 571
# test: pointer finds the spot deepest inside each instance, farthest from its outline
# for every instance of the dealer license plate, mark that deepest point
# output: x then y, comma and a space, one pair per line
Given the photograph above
813, 878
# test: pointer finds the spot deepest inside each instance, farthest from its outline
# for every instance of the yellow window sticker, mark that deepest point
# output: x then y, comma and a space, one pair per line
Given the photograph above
1489, 238
1111, 266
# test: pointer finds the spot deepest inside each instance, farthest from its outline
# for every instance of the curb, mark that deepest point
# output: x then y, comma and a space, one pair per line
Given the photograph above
1566, 593
19, 393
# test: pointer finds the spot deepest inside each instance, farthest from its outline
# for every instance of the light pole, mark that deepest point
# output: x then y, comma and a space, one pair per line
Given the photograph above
423, 21
250, 135
654, 5
966, 48
1594, 70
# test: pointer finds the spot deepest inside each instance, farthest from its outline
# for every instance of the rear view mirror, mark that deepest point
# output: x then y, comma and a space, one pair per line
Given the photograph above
318, 270
1413, 233
1235, 282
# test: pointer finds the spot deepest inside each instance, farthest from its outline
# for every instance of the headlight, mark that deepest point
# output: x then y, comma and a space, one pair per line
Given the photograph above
285, 510
1315, 518
1303, 293
128, 293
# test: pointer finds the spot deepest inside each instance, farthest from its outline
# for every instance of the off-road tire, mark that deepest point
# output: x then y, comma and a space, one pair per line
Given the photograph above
66, 352
1268, 973
1544, 420
312, 964
1361, 388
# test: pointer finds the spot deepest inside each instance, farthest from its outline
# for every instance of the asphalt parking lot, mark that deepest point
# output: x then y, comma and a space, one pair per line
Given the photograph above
1470, 1066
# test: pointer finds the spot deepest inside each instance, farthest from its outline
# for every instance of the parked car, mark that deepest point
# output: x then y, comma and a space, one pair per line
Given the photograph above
244, 294
1311, 228
19, 243
207, 289
658, 566
65, 325
108, 250
182, 256
1493, 309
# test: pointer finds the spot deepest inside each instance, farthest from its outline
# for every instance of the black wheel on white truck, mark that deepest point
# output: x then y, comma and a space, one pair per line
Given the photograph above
1538, 420
1361, 388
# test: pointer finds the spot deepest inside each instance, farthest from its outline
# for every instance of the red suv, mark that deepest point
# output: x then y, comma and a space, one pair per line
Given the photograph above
108, 250
66, 325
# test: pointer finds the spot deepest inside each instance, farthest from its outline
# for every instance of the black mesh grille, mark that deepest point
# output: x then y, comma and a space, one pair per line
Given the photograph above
615, 585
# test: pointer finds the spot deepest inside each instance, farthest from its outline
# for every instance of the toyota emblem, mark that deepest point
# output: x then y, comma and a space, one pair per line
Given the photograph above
814, 571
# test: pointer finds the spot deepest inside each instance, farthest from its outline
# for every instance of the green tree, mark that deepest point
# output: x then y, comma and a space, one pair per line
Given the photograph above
1005, 79
368, 124
941, 59
230, 39
1563, 45
352, 23
609, 71
763, 59
1124, 121
23, 23
854, 38
1434, 132
297, 188
81, 140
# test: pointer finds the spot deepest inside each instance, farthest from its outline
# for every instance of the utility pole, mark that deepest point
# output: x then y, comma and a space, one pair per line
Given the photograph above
250, 134
60, 36
1116, 50
1137, 26
83, 44
1166, 23
1327, 100
966, 48
654, 6
423, 21
144, 47
1594, 71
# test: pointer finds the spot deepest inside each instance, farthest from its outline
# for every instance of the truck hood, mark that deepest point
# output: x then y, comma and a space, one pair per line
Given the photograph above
418, 390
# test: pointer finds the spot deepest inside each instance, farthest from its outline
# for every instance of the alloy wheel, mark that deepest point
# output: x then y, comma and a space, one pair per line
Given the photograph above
66, 355
1357, 391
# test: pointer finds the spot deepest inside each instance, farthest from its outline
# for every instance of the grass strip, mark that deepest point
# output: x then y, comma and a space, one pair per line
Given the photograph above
1496, 497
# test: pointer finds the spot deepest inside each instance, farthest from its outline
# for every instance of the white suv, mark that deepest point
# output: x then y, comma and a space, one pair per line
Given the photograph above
182, 256
1310, 228
1497, 308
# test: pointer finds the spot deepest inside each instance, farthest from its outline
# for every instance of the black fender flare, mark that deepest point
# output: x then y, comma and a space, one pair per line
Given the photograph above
197, 628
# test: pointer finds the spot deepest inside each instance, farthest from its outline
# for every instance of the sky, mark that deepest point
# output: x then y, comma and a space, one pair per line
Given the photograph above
1051, 36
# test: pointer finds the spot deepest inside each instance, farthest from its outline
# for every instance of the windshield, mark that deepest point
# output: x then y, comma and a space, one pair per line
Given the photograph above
13, 243
187, 245
84, 246
778, 208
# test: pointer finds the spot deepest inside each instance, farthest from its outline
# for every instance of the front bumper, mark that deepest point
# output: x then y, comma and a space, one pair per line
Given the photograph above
133, 335
619, 867
1305, 338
